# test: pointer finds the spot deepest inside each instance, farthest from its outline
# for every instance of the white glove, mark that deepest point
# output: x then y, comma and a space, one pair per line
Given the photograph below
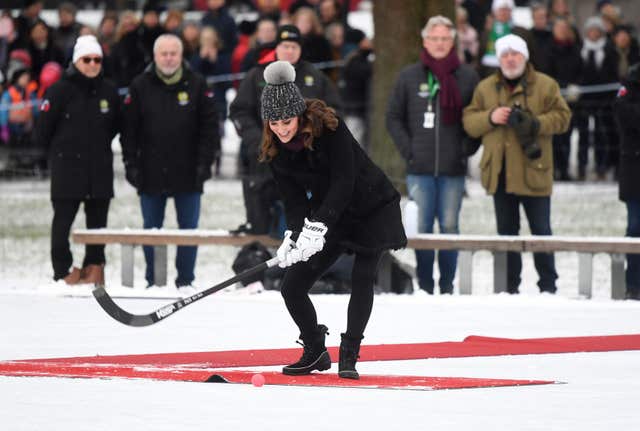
284, 251
310, 241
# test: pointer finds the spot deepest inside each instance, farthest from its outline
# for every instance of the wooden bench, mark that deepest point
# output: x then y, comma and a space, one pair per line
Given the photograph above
467, 245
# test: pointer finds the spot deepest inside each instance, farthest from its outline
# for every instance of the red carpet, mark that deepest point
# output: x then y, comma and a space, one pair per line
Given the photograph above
199, 366
44, 369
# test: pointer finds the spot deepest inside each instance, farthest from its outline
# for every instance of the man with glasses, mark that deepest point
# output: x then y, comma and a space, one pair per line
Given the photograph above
169, 141
79, 117
424, 118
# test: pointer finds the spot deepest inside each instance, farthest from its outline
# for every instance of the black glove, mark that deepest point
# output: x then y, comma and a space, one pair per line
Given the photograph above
203, 173
132, 174
526, 127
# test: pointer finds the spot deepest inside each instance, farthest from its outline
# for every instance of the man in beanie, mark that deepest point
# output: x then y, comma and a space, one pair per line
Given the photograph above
516, 111
79, 117
336, 200
169, 141
260, 195
426, 126
626, 111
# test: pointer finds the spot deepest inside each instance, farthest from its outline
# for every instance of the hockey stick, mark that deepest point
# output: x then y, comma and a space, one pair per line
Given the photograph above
123, 316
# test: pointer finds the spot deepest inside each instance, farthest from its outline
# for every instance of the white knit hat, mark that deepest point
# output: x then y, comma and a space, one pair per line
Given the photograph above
497, 4
511, 42
86, 45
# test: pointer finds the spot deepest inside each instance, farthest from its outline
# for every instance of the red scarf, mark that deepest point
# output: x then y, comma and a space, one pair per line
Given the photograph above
450, 99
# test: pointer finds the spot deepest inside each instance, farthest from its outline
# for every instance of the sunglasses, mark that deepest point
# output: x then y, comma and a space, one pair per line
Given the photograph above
96, 60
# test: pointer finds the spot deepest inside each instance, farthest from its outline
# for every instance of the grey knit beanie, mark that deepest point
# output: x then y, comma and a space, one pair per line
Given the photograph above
281, 98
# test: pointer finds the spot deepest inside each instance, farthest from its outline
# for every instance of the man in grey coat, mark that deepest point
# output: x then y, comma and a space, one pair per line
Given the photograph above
424, 118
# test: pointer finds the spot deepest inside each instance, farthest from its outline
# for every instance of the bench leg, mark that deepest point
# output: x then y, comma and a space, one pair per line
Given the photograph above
160, 265
499, 271
465, 266
618, 283
126, 267
585, 274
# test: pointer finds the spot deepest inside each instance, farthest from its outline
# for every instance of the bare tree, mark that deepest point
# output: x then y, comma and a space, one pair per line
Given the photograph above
397, 43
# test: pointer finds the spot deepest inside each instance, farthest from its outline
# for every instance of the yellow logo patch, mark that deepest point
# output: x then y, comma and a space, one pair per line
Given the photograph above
104, 106
183, 98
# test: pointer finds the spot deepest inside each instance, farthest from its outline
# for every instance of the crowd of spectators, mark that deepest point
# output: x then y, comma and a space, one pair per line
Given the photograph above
219, 38
224, 40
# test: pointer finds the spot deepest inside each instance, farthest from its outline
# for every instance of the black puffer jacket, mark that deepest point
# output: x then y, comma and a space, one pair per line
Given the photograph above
626, 109
79, 117
440, 150
170, 132
339, 185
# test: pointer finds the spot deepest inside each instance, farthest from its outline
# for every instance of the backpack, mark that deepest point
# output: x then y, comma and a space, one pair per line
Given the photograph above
249, 256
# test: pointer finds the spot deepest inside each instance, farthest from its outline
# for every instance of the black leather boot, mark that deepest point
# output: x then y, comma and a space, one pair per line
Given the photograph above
314, 355
349, 350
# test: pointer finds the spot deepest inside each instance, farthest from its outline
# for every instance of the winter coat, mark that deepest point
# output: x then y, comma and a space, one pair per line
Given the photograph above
346, 190
244, 111
208, 69
170, 134
566, 63
539, 94
606, 73
440, 150
132, 54
356, 82
225, 26
79, 117
626, 110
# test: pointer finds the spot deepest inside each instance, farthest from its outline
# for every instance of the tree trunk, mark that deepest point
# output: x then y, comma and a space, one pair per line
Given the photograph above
397, 43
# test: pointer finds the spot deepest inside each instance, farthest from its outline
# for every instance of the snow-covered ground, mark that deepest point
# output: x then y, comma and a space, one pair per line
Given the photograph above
601, 390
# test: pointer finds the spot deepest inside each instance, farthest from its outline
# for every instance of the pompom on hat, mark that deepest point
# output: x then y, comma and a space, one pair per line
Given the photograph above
86, 45
512, 42
281, 97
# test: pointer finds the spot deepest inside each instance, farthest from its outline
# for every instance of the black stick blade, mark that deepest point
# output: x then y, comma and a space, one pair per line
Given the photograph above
122, 316
118, 313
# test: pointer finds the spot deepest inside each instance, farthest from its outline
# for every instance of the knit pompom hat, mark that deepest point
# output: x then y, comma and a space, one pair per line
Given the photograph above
281, 97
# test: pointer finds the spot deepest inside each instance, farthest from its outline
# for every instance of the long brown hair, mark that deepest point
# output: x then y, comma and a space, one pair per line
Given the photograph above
312, 122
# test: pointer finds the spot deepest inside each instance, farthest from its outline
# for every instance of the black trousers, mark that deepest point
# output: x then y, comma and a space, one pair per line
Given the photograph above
64, 213
300, 277
538, 212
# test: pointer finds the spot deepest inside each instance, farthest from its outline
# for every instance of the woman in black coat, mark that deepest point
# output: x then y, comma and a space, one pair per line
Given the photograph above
336, 200
79, 118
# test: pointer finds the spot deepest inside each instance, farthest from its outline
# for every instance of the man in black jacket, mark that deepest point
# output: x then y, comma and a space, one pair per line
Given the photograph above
169, 140
258, 187
424, 118
77, 122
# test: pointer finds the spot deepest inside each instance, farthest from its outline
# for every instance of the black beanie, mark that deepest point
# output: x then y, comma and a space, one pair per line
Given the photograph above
281, 97
289, 33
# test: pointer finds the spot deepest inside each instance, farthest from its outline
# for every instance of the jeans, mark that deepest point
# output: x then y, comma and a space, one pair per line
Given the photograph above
188, 213
64, 212
632, 274
538, 212
439, 197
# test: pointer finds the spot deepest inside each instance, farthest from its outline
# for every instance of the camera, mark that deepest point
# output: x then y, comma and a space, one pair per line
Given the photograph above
526, 127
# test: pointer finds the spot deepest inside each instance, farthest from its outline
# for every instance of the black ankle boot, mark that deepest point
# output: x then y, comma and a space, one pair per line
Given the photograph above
314, 355
349, 350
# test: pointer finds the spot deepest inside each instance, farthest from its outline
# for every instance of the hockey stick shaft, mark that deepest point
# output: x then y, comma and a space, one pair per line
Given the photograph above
123, 316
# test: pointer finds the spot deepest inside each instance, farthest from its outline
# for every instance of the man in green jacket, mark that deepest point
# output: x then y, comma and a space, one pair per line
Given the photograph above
516, 111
